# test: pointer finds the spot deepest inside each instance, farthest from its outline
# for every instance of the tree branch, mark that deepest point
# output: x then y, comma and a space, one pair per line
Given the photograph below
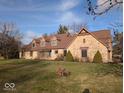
92, 10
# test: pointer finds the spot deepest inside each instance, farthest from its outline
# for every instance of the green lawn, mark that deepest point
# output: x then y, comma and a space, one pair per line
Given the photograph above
33, 76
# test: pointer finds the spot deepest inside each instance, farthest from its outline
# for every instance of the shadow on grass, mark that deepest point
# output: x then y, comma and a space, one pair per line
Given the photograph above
13, 66
106, 69
20, 73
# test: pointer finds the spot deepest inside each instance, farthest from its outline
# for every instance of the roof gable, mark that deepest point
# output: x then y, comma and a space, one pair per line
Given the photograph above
83, 31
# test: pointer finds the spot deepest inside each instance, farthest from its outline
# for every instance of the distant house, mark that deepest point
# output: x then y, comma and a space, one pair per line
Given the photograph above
83, 46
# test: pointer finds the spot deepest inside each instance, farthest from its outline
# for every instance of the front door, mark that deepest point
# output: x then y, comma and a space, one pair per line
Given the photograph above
84, 55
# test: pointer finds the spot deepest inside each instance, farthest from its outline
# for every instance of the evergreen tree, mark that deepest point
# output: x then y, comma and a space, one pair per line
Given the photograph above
69, 57
97, 58
62, 30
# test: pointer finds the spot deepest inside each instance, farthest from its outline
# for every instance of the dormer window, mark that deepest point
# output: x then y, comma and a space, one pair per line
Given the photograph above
33, 45
54, 43
43, 43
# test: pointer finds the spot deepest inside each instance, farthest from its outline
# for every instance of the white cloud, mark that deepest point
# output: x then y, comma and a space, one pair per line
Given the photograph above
68, 4
29, 35
28, 5
69, 18
31, 5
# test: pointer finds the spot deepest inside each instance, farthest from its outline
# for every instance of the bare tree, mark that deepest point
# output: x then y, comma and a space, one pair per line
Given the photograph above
76, 27
103, 7
117, 42
10, 40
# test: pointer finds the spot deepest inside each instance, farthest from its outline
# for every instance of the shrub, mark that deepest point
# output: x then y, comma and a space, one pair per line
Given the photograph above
76, 59
97, 58
69, 57
62, 72
60, 58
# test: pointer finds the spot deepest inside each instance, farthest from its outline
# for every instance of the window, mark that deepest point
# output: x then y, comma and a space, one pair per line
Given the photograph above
22, 54
65, 52
49, 54
84, 40
54, 43
31, 53
33, 45
84, 53
109, 54
56, 51
42, 43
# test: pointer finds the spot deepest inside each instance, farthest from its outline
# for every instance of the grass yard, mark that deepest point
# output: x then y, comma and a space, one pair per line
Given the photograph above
33, 76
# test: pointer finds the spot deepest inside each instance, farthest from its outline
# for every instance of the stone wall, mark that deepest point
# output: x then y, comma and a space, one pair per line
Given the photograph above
55, 55
93, 46
36, 55
27, 55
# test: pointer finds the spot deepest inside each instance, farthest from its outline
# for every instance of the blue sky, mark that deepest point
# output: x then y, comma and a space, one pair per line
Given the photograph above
36, 17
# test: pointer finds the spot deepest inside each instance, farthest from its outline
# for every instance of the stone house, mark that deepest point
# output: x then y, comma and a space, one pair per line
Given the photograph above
83, 46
